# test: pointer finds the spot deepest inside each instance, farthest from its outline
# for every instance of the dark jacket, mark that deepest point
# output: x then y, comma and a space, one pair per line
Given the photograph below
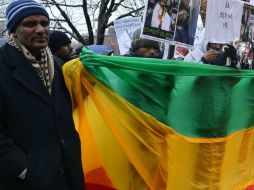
36, 129
59, 61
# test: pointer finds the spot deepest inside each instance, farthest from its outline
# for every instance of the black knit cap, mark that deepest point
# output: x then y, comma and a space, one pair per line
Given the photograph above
57, 39
139, 42
144, 43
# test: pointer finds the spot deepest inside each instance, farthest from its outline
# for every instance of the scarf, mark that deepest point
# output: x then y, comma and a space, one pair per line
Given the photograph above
44, 66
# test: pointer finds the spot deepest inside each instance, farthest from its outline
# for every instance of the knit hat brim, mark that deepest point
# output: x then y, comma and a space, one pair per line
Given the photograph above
144, 43
57, 39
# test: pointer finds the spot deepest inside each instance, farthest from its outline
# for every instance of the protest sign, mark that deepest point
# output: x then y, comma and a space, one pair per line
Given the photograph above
223, 21
171, 21
200, 33
124, 32
247, 24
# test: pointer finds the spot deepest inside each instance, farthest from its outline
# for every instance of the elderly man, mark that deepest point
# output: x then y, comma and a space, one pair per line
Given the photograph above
39, 146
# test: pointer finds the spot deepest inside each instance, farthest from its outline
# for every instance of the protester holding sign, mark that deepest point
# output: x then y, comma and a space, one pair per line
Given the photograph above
202, 54
141, 47
214, 54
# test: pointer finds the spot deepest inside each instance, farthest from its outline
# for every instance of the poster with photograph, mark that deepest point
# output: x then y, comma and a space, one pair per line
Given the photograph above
171, 21
180, 52
187, 19
247, 24
125, 29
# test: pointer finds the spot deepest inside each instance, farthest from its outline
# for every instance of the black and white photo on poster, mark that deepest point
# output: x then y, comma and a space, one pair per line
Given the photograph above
171, 20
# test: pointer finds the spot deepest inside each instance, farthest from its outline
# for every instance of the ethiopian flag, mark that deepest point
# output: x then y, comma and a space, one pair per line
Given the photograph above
149, 124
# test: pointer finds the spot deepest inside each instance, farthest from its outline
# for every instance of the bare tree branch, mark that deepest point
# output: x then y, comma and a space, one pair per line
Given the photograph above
74, 29
88, 23
48, 3
93, 13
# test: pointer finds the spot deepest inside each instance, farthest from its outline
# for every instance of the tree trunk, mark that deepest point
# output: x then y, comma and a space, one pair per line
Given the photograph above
88, 23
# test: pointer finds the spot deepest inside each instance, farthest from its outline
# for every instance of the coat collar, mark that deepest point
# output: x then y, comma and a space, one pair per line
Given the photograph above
26, 75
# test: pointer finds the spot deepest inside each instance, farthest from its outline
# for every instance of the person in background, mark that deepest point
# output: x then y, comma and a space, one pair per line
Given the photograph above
39, 146
144, 48
60, 46
207, 52
141, 47
214, 54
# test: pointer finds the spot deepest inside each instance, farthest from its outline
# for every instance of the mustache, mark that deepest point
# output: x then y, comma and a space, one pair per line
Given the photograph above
40, 38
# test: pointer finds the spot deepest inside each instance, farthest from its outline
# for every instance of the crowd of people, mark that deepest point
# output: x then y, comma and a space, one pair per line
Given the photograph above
206, 52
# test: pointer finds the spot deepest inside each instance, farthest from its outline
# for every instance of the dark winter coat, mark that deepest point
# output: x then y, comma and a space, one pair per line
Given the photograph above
36, 129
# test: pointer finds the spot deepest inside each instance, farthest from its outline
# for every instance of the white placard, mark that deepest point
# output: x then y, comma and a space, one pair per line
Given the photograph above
200, 33
124, 32
223, 20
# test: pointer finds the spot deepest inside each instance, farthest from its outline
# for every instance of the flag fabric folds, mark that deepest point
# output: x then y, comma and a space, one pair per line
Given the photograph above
148, 124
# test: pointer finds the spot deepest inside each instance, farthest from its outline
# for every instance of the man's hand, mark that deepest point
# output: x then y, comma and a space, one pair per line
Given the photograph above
211, 55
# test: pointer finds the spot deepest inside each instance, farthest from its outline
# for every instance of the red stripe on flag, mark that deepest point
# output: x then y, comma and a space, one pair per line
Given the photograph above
90, 186
98, 178
250, 187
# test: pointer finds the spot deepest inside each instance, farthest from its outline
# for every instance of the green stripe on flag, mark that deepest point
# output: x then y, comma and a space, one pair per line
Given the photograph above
197, 100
